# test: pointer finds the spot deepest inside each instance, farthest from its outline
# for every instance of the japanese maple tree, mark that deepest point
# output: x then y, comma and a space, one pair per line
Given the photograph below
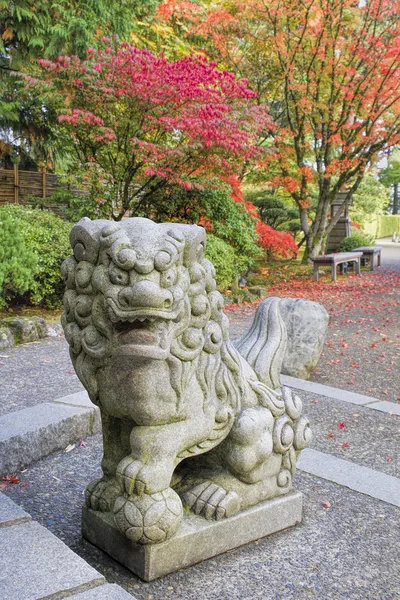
329, 70
277, 243
139, 122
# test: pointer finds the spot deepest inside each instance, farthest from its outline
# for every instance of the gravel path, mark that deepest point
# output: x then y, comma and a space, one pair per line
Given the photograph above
346, 552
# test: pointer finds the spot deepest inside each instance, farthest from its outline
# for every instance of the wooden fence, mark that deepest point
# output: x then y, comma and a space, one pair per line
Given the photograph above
16, 186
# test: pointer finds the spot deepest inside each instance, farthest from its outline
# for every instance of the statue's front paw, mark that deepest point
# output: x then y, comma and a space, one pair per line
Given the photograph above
211, 501
127, 472
136, 477
101, 494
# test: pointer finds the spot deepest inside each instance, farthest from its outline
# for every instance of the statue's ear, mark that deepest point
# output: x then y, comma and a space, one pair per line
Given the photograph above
85, 239
194, 238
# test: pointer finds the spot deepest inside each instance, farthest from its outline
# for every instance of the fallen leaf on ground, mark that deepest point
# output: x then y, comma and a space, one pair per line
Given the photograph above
331, 435
341, 425
345, 445
326, 504
10, 478
83, 444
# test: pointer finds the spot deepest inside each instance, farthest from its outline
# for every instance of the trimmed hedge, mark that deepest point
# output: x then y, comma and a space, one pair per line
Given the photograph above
388, 225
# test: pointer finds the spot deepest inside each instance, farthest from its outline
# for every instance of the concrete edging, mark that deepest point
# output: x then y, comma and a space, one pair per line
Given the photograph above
46, 568
29, 434
342, 395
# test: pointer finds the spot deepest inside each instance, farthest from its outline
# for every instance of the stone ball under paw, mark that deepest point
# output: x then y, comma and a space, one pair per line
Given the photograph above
149, 519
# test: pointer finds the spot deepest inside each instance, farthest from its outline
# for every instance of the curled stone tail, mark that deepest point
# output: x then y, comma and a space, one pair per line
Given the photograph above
264, 344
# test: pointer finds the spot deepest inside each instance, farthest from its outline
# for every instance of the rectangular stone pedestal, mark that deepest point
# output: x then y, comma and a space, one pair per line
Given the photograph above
196, 539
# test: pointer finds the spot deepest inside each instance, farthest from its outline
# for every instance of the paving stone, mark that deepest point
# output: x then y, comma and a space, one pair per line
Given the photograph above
387, 407
36, 564
28, 435
328, 391
360, 479
11, 513
77, 399
104, 592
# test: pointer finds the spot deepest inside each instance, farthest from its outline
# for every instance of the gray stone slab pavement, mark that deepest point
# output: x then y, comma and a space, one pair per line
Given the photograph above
29, 434
35, 564
330, 392
11, 513
356, 477
104, 592
346, 552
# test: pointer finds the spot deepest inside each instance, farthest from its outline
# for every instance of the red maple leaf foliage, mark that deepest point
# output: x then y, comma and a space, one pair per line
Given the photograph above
330, 73
278, 243
139, 121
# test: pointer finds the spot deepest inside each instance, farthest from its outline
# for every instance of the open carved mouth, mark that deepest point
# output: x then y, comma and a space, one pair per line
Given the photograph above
137, 331
143, 335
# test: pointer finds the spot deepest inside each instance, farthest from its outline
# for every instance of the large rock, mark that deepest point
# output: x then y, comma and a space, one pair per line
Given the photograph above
6, 338
306, 323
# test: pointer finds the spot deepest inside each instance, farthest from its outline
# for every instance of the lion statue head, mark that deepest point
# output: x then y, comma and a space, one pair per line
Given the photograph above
145, 291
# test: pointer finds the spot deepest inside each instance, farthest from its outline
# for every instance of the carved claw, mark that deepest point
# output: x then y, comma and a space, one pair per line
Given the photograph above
138, 478
126, 473
211, 501
101, 494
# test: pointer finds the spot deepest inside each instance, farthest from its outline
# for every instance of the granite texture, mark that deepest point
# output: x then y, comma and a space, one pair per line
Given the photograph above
103, 592
196, 539
40, 430
355, 433
11, 513
361, 479
346, 552
306, 323
34, 373
150, 342
31, 561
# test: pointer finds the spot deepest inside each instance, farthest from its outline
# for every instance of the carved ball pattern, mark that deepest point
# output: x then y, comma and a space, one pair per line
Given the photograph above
149, 519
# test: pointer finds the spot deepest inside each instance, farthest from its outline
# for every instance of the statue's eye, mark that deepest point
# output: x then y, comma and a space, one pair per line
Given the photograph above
168, 278
118, 276
162, 260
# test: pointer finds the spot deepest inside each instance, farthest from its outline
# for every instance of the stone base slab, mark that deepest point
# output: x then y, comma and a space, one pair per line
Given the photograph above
196, 539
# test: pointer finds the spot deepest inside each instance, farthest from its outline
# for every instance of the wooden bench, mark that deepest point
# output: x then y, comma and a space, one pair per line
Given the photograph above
370, 252
332, 260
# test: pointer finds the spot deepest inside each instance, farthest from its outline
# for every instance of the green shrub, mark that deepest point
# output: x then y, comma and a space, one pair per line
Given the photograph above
224, 259
46, 236
18, 264
355, 241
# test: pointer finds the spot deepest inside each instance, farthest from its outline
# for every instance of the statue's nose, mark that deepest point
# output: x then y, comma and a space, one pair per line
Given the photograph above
145, 294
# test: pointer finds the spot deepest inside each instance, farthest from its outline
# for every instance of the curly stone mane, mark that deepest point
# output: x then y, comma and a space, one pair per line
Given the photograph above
200, 344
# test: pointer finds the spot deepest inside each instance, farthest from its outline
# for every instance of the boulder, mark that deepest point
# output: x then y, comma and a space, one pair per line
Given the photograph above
6, 338
307, 324
24, 330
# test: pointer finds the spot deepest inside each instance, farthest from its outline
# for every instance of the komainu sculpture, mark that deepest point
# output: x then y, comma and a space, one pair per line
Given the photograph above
189, 420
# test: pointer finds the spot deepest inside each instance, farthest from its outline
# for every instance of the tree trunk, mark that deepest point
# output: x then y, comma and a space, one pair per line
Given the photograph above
313, 247
396, 199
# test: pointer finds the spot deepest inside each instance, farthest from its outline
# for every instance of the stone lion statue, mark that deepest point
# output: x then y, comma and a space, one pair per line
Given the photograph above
189, 419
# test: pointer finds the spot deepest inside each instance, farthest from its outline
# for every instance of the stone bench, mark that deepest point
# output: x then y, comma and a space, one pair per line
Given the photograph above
333, 260
370, 252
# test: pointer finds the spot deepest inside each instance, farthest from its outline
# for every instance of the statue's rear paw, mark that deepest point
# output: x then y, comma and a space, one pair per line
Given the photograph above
101, 494
211, 501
